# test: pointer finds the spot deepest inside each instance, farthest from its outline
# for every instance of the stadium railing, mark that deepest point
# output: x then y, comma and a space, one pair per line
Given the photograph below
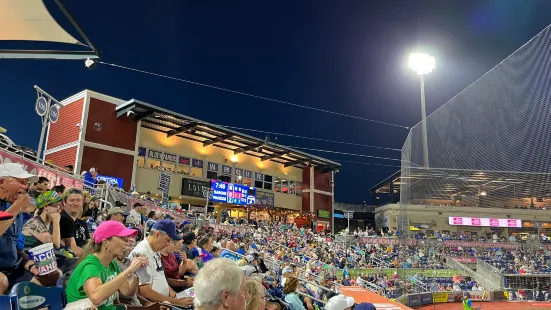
489, 273
466, 271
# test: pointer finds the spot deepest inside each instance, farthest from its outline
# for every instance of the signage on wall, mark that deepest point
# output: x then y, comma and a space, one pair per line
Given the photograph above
265, 199
197, 163
247, 174
226, 170
142, 151
212, 167
338, 216
258, 176
484, 222
233, 193
164, 184
194, 188
238, 172
170, 157
324, 214
111, 180
154, 154
184, 160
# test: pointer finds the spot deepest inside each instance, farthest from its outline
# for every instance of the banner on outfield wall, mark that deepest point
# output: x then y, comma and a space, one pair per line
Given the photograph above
54, 176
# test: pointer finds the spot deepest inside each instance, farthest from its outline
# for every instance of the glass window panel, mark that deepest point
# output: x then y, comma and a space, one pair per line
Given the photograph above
212, 175
153, 164
196, 172
277, 185
298, 188
225, 178
285, 186
268, 178
182, 170
258, 184
141, 162
268, 186
238, 179
248, 182
168, 166
292, 188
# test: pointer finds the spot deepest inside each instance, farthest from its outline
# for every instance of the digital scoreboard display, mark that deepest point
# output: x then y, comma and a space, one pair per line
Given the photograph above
484, 222
233, 193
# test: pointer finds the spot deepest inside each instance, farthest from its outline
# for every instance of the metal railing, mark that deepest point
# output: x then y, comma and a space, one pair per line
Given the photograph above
490, 273
466, 271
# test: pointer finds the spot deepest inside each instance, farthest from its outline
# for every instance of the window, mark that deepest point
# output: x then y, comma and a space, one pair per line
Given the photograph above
248, 182
258, 184
153, 164
277, 185
196, 172
168, 166
298, 188
181, 169
212, 175
285, 186
268, 186
268, 182
141, 162
292, 187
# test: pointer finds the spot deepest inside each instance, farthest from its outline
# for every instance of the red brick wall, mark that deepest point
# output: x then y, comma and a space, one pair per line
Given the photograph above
306, 178
306, 202
322, 181
109, 163
64, 157
120, 133
65, 130
322, 202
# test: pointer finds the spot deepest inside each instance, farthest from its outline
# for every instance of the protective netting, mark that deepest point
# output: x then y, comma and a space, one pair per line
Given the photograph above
489, 145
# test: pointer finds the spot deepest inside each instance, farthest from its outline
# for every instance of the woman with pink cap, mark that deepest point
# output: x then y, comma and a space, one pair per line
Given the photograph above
98, 276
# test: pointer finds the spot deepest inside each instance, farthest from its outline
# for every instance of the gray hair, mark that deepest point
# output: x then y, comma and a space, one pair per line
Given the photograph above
217, 276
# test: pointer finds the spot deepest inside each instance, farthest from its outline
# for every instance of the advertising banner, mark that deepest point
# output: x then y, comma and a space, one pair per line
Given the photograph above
265, 199
54, 176
484, 222
440, 297
448, 243
468, 260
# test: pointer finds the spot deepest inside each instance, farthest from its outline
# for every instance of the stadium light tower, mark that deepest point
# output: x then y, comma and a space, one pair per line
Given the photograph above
423, 64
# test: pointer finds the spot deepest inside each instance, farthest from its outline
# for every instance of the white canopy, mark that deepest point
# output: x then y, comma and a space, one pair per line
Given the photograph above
29, 20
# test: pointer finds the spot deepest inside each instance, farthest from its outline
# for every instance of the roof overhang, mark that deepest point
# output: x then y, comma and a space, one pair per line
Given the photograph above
175, 124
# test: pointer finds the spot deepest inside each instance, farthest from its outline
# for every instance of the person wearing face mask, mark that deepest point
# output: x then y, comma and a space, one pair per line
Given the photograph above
98, 276
153, 283
44, 227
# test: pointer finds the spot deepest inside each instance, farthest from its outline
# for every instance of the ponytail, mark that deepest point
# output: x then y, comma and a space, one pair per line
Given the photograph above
90, 248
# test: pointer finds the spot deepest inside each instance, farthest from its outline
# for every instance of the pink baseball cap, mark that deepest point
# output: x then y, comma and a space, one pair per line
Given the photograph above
109, 229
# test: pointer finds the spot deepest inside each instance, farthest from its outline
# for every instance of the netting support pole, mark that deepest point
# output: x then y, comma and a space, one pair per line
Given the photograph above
424, 123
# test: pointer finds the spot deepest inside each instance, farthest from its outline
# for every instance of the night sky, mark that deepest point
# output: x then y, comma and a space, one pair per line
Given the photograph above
345, 56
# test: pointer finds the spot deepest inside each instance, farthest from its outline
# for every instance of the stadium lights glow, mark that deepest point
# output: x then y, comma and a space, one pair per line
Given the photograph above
483, 193
421, 63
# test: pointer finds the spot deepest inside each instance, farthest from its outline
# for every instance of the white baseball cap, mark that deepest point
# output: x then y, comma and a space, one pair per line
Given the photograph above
15, 170
339, 302
94, 169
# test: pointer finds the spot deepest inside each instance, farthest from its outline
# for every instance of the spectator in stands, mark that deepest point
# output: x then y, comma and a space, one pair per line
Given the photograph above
44, 227
256, 293
153, 283
15, 266
82, 235
42, 185
116, 214
72, 207
134, 217
174, 271
93, 208
98, 276
91, 178
220, 285
339, 302
206, 244
291, 296
60, 189
70, 169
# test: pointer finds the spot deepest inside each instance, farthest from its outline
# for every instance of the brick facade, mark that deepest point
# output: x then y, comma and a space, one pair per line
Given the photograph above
120, 133
109, 163
65, 130
64, 157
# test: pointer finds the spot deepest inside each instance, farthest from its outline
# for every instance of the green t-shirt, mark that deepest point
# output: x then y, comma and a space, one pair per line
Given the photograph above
91, 267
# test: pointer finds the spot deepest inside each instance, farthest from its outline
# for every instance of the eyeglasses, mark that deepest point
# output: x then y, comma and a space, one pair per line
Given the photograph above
159, 262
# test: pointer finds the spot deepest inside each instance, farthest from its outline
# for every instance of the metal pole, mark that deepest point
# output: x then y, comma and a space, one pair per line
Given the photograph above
45, 120
424, 123
333, 202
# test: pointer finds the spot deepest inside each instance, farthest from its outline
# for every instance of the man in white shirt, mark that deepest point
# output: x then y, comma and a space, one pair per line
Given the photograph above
153, 284
134, 217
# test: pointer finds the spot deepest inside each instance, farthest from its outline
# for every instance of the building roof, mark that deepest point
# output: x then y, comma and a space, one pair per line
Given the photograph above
175, 124
382, 187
